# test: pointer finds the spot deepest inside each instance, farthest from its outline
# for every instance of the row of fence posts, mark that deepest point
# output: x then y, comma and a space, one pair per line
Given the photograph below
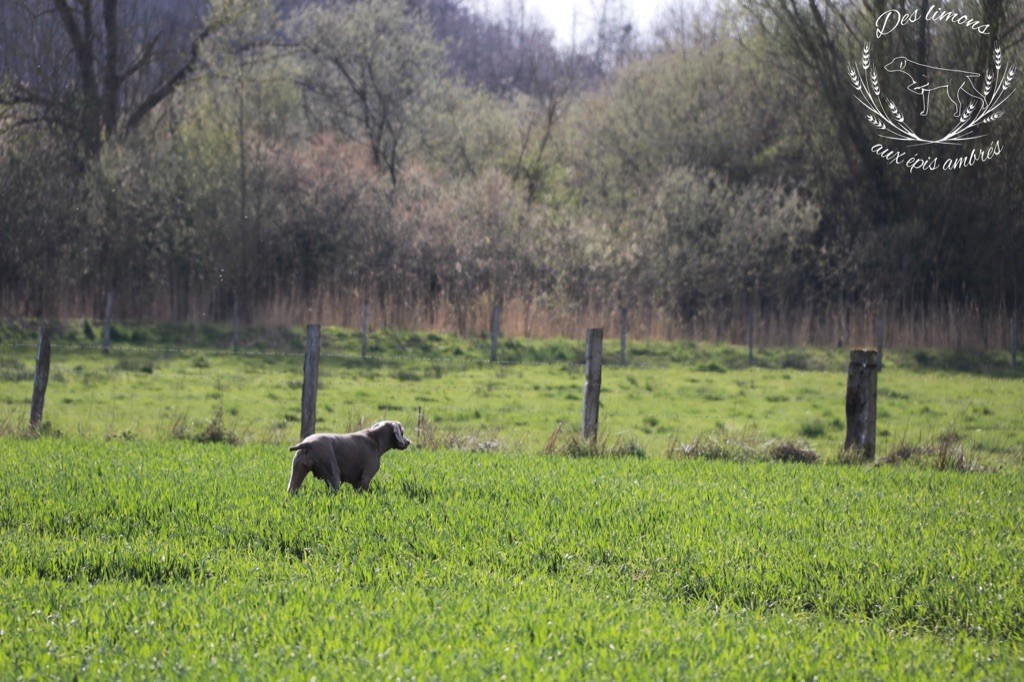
861, 391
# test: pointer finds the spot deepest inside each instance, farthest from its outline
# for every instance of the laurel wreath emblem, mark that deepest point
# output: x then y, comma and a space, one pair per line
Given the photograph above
887, 118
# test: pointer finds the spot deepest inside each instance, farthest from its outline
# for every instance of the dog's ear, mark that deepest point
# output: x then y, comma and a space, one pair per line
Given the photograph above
401, 442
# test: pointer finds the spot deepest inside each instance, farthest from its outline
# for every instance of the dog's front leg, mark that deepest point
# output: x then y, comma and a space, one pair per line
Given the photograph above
369, 470
333, 475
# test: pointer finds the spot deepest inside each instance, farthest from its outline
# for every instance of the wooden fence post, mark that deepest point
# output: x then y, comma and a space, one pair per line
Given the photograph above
880, 336
35, 419
1013, 342
861, 402
623, 328
592, 387
750, 336
364, 328
107, 321
234, 324
495, 331
310, 379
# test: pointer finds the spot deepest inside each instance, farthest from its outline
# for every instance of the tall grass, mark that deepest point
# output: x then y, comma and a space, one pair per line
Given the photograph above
938, 323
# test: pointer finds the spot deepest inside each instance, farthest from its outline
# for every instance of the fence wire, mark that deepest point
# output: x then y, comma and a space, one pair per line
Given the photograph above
350, 357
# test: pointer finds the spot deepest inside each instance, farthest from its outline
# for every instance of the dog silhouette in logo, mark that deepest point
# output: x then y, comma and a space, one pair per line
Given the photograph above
924, 79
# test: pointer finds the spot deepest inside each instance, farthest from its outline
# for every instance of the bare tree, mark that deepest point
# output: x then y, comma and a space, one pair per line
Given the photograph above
613, 35
94, 69
371, 64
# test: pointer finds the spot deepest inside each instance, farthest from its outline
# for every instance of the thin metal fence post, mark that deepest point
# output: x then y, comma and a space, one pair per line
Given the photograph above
592, 387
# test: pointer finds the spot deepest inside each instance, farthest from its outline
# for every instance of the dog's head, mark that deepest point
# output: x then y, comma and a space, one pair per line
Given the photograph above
898, 64
393, 434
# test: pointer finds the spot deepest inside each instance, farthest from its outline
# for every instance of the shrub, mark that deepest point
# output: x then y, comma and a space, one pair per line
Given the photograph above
214, 431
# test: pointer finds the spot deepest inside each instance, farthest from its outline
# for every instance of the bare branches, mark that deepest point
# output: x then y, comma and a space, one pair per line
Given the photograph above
374, 62
97, 67
164, 90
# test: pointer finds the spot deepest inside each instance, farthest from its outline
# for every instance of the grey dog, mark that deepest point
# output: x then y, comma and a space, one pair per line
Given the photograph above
350, 457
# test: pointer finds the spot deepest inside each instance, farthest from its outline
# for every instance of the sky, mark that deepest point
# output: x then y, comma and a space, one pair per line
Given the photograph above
559, 13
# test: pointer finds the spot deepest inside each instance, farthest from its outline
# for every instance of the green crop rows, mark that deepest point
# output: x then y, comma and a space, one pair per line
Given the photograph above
157, 560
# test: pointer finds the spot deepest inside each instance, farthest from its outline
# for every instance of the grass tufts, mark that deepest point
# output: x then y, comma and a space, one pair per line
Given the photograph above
792, 451
747, 445
850, 456
946, 453
567, 442
428, 437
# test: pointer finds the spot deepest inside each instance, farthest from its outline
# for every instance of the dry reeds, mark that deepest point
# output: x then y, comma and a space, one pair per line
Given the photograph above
936, 324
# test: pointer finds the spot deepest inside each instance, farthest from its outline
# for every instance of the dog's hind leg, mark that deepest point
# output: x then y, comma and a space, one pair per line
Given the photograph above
299, 471
967, 88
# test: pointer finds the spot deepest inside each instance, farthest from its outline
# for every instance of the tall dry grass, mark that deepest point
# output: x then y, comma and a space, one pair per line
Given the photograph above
934, 325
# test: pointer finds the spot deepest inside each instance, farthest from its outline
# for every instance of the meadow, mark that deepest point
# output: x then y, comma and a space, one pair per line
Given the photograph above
147, 533
175, 382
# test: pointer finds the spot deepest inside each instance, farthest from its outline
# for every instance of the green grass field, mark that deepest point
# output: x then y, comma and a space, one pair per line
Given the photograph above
132, 560
130, 550
168, 382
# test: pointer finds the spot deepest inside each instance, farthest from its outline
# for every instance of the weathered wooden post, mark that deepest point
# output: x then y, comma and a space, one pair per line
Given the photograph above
234, 324
35, 418
592, 387
879, 336
750, 336
861, 402
495, 331
310, 379
1013, 342
108, 318
623, 328
364, 329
